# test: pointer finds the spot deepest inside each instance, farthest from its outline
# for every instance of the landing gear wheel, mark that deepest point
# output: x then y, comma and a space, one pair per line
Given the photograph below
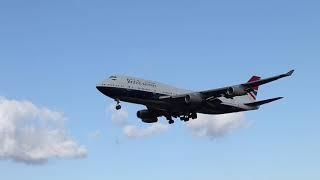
184, 118
194, 115
169, 118
118, 107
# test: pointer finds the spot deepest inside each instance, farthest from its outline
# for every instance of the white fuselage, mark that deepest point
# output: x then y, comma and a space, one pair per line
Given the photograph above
140, 91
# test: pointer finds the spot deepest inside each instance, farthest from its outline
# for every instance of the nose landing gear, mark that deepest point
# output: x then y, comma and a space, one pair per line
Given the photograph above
118, 106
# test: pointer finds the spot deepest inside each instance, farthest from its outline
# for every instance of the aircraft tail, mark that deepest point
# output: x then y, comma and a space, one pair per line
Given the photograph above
253, 94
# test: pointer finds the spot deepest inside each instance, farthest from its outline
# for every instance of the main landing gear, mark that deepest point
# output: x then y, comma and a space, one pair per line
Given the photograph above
118, 106
170, 120
186, 117
193, 115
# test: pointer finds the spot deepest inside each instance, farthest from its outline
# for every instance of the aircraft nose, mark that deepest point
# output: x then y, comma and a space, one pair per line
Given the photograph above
100, 86
104, 89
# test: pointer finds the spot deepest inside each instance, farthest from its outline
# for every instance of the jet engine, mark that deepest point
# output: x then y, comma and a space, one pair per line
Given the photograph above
236, 91
147, 116
193, 99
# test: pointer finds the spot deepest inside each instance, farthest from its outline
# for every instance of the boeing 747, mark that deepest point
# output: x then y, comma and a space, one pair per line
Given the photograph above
171, 102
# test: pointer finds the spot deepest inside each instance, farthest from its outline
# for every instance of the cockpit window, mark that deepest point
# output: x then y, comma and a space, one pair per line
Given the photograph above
113, 77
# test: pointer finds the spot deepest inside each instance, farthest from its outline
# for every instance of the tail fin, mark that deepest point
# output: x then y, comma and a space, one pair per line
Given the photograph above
253, 94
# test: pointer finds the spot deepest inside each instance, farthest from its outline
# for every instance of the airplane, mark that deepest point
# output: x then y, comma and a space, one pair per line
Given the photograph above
171, 102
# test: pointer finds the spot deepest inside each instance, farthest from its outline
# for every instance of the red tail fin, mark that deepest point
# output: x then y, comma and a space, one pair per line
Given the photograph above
254, 93
254, 78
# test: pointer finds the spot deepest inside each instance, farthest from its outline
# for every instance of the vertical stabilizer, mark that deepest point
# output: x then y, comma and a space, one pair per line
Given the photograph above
253, 94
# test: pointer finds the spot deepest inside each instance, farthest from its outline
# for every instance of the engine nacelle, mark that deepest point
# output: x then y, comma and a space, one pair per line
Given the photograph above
193, 99
236, 91
147, 116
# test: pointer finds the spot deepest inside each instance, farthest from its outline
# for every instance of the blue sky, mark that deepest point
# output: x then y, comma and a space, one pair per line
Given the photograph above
52, 53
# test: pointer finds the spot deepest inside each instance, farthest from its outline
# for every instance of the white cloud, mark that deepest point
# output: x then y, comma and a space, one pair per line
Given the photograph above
95, 134
32, 135
135, 132
212, 126
216, 125
120, 118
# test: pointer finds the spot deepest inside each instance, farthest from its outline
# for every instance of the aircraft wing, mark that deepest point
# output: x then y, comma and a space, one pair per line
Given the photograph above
266, 80
214, 93
246, 86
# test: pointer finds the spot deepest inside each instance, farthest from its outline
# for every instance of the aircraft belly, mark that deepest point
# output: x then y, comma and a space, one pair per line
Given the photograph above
219, 109
150, 99
147, 102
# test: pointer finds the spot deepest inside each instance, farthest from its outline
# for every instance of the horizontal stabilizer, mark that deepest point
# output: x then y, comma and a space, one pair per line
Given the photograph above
258, 103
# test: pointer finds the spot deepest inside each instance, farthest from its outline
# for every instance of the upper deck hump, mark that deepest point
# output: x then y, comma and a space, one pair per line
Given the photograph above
151, 84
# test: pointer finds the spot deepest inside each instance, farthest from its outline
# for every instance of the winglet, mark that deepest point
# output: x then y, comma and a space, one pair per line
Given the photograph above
290, 72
